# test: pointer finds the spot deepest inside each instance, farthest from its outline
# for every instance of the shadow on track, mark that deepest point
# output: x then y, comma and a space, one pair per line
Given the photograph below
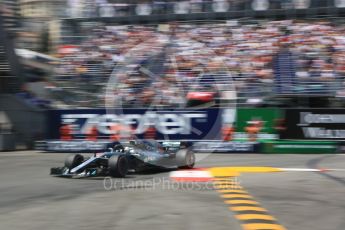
314, 163
130, 175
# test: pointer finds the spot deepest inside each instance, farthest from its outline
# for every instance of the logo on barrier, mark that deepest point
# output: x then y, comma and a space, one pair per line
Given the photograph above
315, 124
165, 123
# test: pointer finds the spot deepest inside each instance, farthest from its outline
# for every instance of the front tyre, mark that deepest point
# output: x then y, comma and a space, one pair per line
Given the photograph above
118, 166
73, 161
185, 159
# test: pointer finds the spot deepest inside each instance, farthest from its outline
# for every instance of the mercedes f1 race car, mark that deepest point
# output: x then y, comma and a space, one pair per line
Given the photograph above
135, 156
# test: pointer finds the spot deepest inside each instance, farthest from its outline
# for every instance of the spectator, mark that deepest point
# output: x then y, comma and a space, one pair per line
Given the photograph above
182, 57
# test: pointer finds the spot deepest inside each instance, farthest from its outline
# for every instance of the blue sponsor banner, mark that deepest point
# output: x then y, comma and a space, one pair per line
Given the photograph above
171, 124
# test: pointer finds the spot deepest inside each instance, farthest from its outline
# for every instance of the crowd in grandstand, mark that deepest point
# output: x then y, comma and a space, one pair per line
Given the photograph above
169, 60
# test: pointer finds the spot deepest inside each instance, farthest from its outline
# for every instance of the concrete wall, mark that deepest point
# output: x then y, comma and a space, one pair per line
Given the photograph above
28, 122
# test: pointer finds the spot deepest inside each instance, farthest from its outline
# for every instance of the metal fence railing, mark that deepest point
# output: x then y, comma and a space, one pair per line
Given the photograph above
115, 8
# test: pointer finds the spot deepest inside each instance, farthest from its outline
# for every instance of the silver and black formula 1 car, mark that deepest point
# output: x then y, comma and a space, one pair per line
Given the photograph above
135, 156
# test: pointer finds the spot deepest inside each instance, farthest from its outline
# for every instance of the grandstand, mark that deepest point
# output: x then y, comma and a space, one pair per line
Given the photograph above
262, 60
262, 54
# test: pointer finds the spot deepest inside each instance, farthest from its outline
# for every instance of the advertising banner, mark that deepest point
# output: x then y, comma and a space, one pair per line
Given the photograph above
327, 124
168, 124
299, 147
267, 116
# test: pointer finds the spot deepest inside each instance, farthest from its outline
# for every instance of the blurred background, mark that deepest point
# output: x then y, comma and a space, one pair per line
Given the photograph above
261, 82
82, 54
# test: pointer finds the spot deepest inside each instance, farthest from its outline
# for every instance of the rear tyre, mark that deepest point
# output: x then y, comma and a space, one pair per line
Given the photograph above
73, 161
185, 159
118, 166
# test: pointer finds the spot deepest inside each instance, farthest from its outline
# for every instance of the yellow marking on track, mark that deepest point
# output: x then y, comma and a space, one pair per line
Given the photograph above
232, 190
223, 179
223, 171
259, 226
231, 186
235, 171
226, 185
225, 182
254, 216
237, 196
241, 202
247, 208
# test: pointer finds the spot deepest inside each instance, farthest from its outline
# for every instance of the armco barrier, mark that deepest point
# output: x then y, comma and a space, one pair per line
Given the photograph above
226, 147
73, 146
299, 147
274, 147
86, 146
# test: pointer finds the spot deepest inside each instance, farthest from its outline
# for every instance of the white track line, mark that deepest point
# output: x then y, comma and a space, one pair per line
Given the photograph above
300, 170
309, 170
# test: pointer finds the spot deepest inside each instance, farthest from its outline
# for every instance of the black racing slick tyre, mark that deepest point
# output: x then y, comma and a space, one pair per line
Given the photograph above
73, 160
185, 159
118, 166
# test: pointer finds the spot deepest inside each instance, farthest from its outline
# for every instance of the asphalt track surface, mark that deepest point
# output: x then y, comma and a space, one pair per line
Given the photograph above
31, 199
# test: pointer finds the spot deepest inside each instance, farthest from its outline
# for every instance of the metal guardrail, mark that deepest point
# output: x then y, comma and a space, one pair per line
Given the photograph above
310, 87
113, 9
